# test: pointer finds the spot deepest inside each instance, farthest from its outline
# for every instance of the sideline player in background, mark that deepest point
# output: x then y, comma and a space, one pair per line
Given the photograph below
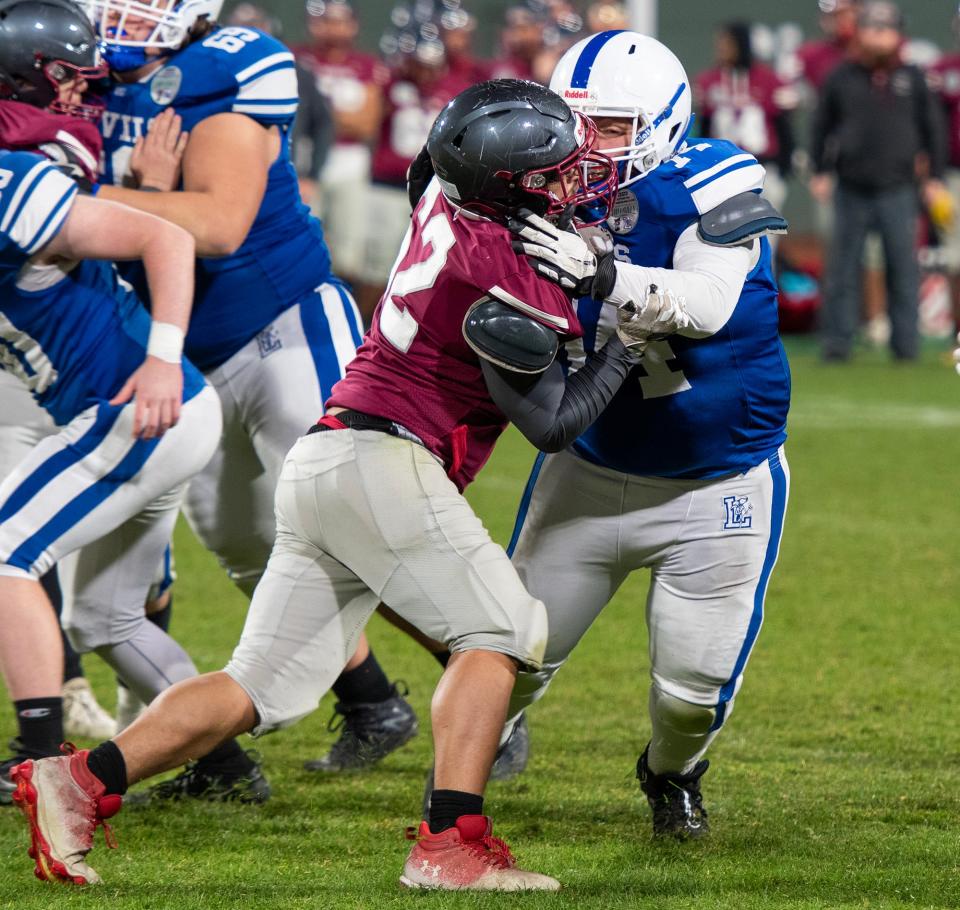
272, 327
684, 473
465, 338
100, 498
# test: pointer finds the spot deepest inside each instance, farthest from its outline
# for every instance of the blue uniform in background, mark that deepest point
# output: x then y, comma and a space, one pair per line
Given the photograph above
272, 329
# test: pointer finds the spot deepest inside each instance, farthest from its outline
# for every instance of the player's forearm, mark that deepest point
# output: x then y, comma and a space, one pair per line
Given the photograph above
214, 230
168, 259
709, 278
552, 410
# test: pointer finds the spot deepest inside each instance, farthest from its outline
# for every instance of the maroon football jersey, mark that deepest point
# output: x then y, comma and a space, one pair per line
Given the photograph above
944, 79
63, 139
743, 106
414, 366
410, 111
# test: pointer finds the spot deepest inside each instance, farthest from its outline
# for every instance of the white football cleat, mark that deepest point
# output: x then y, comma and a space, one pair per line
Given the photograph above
82, 715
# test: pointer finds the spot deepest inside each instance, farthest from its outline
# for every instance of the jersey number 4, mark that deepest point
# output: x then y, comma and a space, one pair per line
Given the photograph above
398, 326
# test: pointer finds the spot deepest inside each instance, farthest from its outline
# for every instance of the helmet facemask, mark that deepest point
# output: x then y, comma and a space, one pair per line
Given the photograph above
167, 26
587, 178
58, 72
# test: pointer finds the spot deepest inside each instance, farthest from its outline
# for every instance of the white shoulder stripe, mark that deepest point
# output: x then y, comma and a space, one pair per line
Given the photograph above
264, 108
265, 63
508, 298
22, 188
742, 180
56, 221
704, 176
279, 85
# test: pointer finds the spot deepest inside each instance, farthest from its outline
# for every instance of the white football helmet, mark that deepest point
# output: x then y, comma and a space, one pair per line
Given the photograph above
171, 20
626, 74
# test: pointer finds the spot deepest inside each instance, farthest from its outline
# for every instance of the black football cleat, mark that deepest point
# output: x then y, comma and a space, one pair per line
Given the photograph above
196, 782
513, 755
675, 800
369, 732
7, 786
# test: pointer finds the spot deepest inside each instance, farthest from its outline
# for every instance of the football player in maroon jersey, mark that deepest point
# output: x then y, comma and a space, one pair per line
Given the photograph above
370, 505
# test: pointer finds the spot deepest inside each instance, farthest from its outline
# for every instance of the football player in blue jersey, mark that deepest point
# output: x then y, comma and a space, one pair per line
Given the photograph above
100, 497
684, 473
272, 327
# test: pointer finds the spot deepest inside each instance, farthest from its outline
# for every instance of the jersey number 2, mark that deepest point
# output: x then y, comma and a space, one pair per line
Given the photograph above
398, 326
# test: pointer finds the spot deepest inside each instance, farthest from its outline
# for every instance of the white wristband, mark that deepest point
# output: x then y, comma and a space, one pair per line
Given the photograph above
166, 342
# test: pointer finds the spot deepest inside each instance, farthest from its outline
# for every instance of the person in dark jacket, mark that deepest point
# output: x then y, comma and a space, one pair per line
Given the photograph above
877, 126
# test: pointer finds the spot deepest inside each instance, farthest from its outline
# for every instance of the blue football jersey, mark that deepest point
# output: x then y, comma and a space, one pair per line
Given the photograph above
694, 408
75, 336
284, 257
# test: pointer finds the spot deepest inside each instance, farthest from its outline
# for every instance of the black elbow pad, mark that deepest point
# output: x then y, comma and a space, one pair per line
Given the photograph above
740, 219
509, 339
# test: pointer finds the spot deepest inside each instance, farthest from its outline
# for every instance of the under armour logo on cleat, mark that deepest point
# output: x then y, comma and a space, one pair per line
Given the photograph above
429, 869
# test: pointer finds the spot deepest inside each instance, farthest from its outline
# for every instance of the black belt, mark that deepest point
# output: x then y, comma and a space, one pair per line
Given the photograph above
357, 420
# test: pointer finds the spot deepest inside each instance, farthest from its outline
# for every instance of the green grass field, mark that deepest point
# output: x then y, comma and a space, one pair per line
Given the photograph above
835, 784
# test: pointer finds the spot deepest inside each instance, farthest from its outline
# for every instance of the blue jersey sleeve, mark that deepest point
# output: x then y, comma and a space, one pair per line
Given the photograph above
35, 199
697, 179
246, 72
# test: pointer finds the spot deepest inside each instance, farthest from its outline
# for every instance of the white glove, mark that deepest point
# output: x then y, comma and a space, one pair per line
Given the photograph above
956, 356
662, 313
563, 257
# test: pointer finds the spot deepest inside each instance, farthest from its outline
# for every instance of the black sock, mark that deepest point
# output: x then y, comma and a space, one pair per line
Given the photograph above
227, 759
107, 765
41, 726
446, 806
161, 619
366, 684
442, 658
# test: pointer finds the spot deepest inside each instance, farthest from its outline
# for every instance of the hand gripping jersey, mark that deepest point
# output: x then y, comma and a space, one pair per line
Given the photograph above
73, 336
283, 258
693, 408
414, 366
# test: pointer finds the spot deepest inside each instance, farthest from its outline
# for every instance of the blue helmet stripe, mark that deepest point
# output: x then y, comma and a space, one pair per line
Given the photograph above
581, 72
668, 110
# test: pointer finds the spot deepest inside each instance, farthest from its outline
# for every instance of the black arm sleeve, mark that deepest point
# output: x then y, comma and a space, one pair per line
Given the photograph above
552, 410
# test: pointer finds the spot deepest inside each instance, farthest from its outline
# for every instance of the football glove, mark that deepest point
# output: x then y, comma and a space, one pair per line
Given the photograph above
956, 356
563, 256
661, 314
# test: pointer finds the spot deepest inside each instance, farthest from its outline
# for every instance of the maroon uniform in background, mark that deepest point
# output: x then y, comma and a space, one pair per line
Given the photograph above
71, 143
742, 106
344, 82
944, 79
818, 59
414, 366
410, 109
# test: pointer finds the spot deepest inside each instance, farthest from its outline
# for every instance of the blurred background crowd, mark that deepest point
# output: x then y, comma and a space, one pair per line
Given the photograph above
853, 107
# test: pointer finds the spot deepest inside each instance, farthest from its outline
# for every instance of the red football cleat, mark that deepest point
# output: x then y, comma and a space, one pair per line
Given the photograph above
63, 803
467, 858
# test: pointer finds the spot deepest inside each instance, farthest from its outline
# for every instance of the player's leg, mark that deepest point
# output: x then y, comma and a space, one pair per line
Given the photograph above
842, 287
897, 220
315, 340
704, 611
